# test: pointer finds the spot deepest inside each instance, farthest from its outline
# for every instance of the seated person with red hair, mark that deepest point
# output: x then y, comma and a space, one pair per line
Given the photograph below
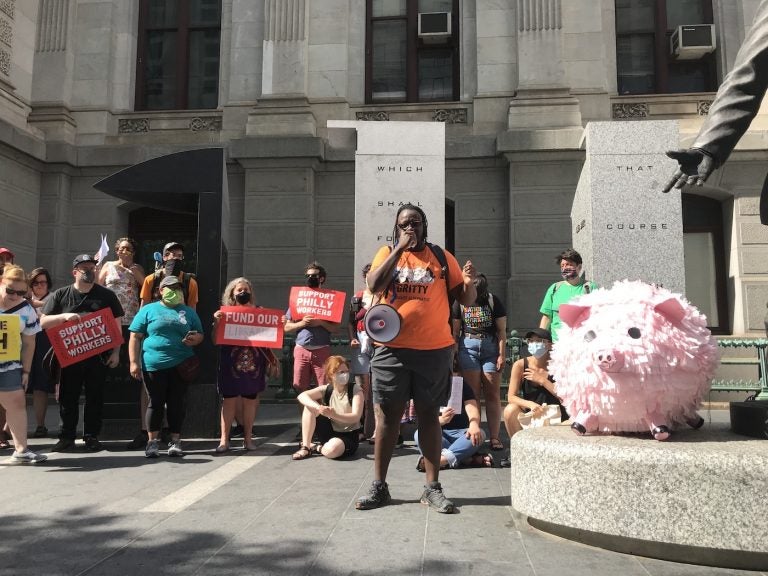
331, 412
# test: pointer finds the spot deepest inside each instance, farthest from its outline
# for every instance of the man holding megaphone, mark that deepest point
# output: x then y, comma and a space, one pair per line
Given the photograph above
414, 348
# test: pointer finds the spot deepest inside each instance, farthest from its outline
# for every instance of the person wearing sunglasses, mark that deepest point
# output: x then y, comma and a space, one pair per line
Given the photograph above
14, 373
68, 303
40, 384
124, 277
313, 337
419, 280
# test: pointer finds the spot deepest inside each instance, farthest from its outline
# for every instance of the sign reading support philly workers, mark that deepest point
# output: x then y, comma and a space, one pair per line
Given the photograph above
87, 336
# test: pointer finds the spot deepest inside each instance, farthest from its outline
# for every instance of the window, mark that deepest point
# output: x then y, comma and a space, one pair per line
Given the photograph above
643, 61
178, 55
400, 66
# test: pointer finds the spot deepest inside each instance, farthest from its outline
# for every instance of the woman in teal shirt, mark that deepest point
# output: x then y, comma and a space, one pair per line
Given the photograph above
162, 336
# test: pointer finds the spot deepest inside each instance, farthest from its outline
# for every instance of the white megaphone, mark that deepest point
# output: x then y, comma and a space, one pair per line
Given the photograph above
382, 323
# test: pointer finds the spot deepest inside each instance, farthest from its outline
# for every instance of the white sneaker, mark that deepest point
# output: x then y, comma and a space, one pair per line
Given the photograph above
174, 448
28, 457
153, 449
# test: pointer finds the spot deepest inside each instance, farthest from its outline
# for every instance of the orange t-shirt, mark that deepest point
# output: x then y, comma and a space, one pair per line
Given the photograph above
149, 280
421, 298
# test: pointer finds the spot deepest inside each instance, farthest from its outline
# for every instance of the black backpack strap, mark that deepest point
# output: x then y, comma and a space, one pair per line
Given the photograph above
327, 394
443, 261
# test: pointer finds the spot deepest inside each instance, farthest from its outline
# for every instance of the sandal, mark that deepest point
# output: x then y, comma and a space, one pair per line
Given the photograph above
481, 461
496, 444
302, 453
420, 465
316, 448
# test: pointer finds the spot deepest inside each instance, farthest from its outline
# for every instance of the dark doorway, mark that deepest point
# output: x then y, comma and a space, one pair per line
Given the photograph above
153, 228
704, 248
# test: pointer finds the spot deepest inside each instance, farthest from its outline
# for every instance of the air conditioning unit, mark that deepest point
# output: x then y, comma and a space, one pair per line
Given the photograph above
692, 41
434, 24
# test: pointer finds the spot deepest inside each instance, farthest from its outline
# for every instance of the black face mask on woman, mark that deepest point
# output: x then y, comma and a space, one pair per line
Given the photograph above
243, 297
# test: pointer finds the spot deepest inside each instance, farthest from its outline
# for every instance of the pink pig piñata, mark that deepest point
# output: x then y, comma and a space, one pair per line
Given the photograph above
632, 358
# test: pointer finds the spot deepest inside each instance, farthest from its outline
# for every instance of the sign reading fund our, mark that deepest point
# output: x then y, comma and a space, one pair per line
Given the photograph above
320, 304
248, 326
87, 336
396, 163
10, 338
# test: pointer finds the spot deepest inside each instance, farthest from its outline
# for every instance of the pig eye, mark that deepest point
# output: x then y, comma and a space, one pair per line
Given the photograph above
589, 336
634, 333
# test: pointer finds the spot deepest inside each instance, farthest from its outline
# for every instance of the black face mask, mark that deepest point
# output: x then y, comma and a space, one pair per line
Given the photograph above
243, 297
313, 282
172, 267
88, 276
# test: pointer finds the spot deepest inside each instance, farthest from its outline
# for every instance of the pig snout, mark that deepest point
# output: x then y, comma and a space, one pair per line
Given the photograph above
608, 360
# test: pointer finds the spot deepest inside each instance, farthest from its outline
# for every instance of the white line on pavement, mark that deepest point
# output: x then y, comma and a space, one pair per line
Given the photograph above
200, 488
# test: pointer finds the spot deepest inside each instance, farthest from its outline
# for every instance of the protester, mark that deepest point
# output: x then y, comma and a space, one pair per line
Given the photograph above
462, 436
6, 257
415, 278
530, 385
162, 336
125, 278
313, 337
331, 413
173, 261
40, 385
362, 347
572, 285
243, 371
14, 374
69, 303
480, 331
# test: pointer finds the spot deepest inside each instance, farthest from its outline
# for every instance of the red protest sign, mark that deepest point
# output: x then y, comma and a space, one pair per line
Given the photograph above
87, 336
248, 326
321, 304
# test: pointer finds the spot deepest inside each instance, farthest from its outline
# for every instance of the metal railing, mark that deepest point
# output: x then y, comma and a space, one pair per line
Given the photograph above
741, 385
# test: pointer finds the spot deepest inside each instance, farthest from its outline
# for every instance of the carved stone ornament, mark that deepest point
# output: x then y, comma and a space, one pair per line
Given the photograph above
133, 125
378, 116
5, 62
630, 110
703, 107
6, 32
8, 6
450, 115
198, 124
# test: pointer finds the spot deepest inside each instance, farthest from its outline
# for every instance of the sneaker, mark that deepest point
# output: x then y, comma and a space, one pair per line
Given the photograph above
28, 457
63, 445
236, 431
377, 496
92, 444
139, 442
433, 496
153, 449
40, 432
400, 441
506, 462
174, 449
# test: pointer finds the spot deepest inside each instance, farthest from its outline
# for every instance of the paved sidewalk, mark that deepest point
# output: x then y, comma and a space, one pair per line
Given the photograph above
115, 512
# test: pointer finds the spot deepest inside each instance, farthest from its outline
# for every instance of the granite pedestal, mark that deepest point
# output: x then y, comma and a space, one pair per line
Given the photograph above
698, 498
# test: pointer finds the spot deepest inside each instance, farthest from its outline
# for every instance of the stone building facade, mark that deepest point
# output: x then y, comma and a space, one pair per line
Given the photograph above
515, 82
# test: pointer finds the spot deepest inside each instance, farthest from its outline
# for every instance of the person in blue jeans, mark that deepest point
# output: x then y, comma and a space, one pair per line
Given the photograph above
462, 435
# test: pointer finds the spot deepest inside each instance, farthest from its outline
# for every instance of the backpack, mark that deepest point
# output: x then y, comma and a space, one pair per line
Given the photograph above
587, 288
329, 390
156, 278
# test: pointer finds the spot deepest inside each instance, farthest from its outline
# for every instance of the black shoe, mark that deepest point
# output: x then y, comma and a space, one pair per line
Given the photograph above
433, 497
377, 496
40, 432
400, 441
92, 444
505, 463
63, 445
139, 442
236, 431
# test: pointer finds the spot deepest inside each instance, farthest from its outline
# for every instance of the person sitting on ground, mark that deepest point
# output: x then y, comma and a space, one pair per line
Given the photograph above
332, 413
530, 385
461, 434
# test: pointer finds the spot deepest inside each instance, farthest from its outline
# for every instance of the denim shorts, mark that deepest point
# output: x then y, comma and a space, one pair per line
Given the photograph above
478, 354
10, 380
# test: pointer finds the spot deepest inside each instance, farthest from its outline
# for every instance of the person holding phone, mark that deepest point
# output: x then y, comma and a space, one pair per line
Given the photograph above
163, 334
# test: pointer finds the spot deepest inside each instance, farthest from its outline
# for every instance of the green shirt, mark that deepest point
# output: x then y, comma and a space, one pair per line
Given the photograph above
561, 293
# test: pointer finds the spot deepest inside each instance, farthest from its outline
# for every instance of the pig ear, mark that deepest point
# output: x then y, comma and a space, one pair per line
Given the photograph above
573, 315
671, 309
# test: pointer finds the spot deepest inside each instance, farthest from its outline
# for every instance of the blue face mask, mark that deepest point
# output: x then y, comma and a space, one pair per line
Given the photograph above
537, 349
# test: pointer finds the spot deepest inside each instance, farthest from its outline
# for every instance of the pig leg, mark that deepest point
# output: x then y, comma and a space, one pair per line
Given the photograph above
660, 431
583, 423
695, 421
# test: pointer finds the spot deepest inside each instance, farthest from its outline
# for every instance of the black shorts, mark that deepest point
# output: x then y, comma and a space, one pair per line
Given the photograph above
324, 431
398, 374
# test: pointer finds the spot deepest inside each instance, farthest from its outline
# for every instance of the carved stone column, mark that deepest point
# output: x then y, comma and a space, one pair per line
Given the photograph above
53, 71
543, 99
283, 108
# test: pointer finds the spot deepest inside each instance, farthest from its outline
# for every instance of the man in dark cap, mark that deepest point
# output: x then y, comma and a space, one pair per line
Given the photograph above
68, 303
173, 259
